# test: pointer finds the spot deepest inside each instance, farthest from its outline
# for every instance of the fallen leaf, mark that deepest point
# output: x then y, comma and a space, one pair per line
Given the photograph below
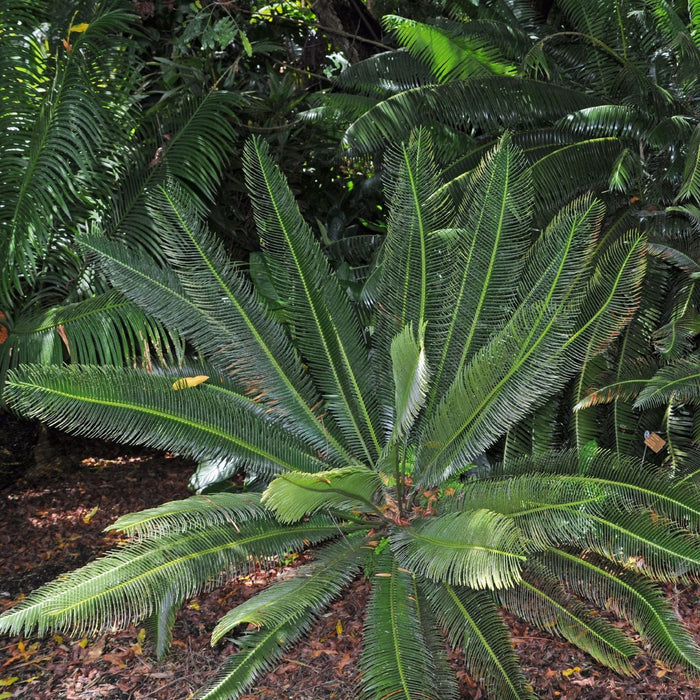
189, 382
339, 628
89, 516
8, 681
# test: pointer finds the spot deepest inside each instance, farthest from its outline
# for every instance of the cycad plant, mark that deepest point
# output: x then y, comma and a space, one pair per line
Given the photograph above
366, 435
79, 151
601, 96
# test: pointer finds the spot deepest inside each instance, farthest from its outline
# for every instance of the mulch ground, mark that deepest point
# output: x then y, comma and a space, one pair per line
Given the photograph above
51, 520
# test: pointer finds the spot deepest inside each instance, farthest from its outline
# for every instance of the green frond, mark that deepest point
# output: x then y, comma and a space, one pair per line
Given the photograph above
679, 383
102, 329
486, 104
451, 55
257, 651
513, 373
233, 329
323, 323
627, 594
629, 484
293, 495
125, 585
548, 509
474, 625
196, 512
396, 660
544, 602
556, 265
54, 163
411, 380
141, 408
298, 599
568, 170
661, 549
478, 548
386, 73
410, 290
489, 243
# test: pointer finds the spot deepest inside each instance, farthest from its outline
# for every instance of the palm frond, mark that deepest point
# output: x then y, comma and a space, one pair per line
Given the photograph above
141, 408
324, 326
451, 55
232, 329
491, 235
473, 623
627, 594
679, 382
257, 651
104, 329
514, 372
396, 659
544, 602
196, 512
410, 289
479, 549
123, 586
486, 104
300, 598
293, 495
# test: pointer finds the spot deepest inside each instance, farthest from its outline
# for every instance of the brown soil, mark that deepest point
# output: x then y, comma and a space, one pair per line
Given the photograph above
51, 520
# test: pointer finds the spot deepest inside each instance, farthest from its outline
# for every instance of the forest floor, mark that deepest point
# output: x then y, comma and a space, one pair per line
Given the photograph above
52, 517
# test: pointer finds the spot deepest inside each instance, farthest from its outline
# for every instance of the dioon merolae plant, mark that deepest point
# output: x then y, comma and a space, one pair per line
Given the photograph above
365, 435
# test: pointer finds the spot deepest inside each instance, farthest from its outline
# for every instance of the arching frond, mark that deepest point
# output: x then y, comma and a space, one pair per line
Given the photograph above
298, 599
142, 408
479, 549
473, 623
123, 586
324, 325
451, 55
488, 104
626, 593
396, 659
679, 382
291, 496
488, 244
543, 601
190, 513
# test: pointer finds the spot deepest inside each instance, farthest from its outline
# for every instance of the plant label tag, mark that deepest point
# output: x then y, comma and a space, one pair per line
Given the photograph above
654, 441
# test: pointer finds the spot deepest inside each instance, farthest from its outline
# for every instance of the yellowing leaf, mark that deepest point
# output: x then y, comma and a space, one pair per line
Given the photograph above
89, 516
339, 628
8, 681
57, 638
188, 382
570, 671
5, 694
78, 28
194, 605
83, 642
141, 636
